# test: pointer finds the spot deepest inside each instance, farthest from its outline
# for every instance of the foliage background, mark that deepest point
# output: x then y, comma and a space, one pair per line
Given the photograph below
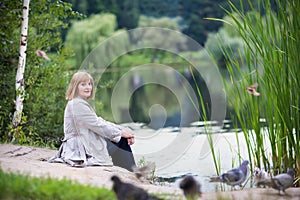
68, 36
45, 82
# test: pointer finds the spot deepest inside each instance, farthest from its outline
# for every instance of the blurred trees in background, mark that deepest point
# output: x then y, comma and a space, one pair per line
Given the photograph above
126, 11
67, 46
86, 34
193, 13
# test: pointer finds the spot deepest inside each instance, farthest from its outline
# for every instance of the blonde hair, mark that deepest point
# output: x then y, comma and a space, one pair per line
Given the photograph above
77, 78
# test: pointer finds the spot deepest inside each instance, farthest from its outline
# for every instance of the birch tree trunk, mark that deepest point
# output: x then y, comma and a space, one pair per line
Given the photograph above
20, 92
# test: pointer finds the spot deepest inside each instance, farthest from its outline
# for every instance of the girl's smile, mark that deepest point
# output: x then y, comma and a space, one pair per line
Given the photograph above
85, 89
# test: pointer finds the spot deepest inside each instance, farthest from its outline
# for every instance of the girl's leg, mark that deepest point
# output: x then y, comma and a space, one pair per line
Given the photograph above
121, 154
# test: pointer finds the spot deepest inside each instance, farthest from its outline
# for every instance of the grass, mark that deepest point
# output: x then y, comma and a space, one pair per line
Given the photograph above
272, 60
16, 186
19, 186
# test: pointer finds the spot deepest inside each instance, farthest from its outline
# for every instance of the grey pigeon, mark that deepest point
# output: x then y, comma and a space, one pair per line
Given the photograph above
127, 191
235, 176
191, 187
144, 171
280, 182
260, 175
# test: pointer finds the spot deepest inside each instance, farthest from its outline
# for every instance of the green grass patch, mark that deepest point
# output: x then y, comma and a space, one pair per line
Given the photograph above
16, 186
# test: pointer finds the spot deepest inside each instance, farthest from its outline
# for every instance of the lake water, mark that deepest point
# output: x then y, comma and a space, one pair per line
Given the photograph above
180, 151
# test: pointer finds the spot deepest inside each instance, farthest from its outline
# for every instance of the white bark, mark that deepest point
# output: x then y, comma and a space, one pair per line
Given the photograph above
21, 66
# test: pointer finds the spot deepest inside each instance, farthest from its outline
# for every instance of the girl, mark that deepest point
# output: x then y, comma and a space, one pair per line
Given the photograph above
88, 139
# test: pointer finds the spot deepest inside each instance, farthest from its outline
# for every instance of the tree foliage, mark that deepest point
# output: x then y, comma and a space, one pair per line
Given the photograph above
85, 35
193, 12
126, 11
162, 22
157, 8
44, 80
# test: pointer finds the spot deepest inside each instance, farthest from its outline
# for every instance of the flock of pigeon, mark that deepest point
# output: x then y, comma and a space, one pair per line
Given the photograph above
192, 188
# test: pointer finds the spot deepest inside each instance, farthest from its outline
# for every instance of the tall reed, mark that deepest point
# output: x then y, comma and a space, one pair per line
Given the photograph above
207, 126
271, 54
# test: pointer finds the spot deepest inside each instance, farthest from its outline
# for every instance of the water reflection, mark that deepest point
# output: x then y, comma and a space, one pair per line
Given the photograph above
177, 93
192, 158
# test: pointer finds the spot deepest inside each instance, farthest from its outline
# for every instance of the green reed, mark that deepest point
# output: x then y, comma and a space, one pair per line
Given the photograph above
271, 59
207, 127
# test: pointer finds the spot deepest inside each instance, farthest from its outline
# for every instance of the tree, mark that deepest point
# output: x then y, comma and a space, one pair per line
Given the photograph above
126, 11
163, 22
158, 8
85, 35
195, 12
44, 81
127, 14
20, 92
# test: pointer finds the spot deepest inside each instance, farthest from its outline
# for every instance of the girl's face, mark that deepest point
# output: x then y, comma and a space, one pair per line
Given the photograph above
85, 89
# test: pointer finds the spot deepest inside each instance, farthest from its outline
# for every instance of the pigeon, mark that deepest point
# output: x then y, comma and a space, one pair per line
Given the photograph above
191, 187
252, 89
42, 54
260, 175
127, 191
144, 171
235, 176
280, 182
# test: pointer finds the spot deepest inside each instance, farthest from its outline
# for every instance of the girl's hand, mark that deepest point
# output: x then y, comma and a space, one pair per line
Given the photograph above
128, 134
130, 141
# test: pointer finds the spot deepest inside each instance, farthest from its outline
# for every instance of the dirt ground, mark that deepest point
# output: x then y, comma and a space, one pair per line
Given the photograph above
32, 161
